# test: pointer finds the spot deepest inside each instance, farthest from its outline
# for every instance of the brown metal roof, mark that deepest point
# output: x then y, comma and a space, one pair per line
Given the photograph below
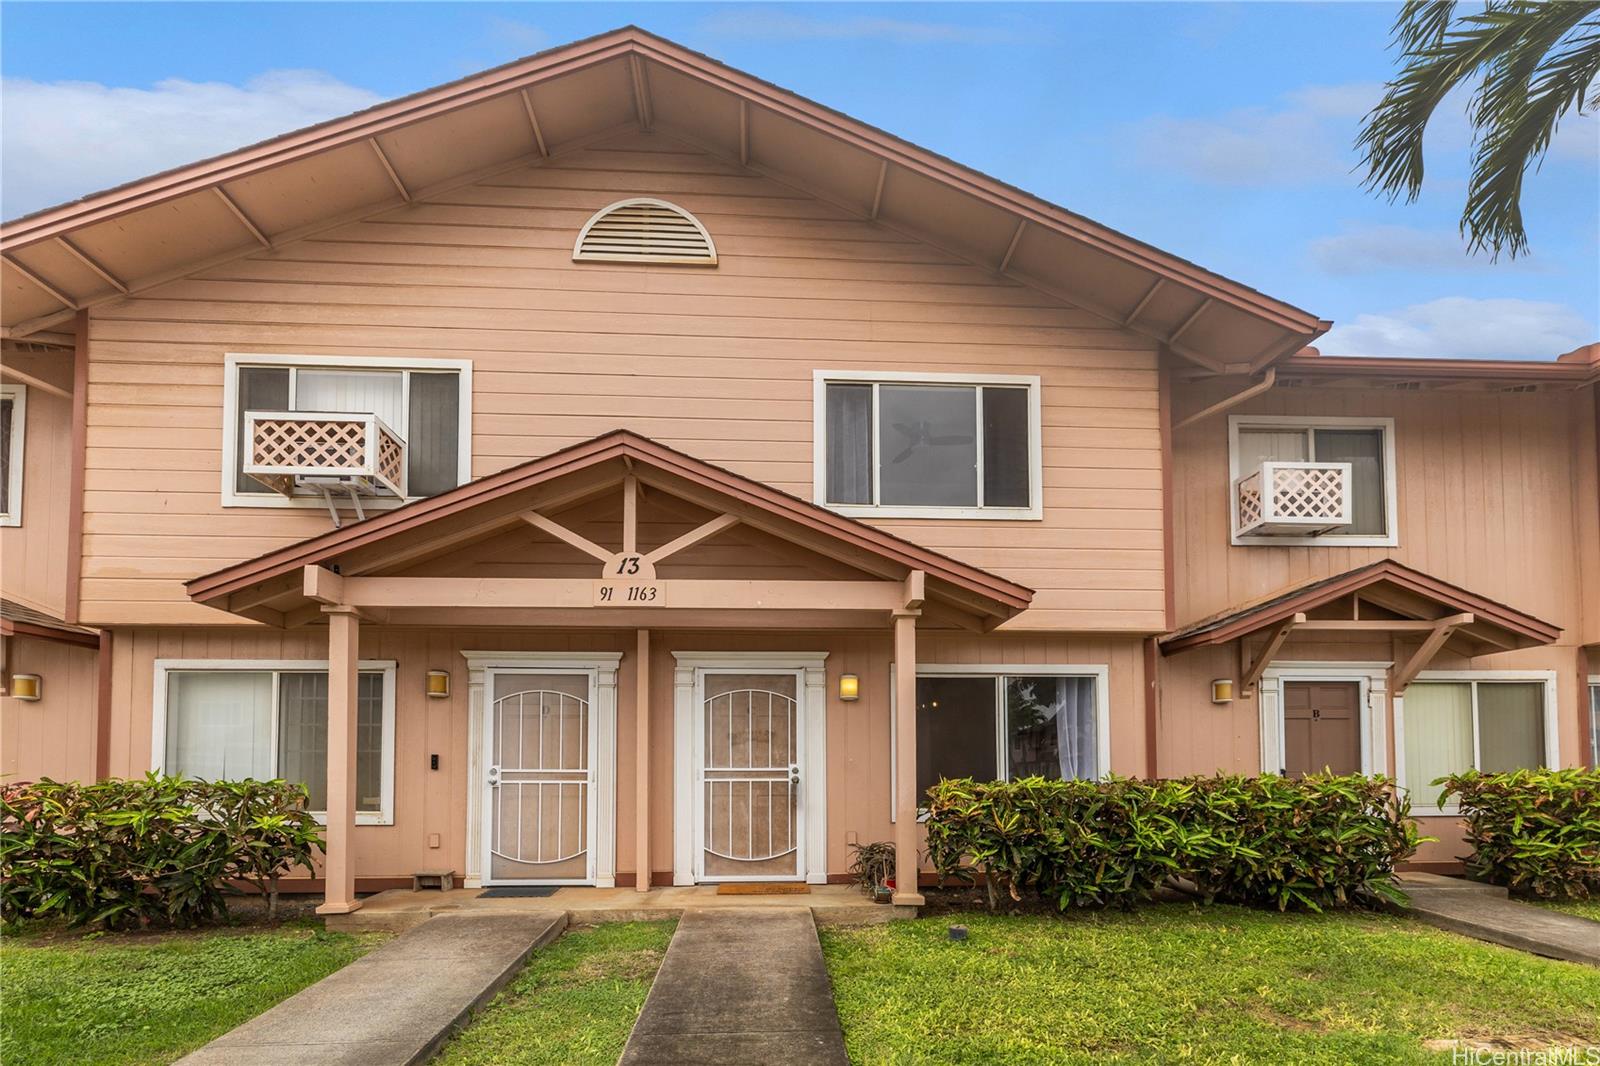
138, 235
453, 509
1520, 628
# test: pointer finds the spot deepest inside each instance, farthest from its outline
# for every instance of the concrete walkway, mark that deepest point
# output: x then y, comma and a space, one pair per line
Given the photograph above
395, 1006
1485, 912
744, 987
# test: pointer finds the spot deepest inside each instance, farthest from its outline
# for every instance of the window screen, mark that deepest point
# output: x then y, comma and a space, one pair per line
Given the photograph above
434, 434
261, 388
849, 429
7, 411
1363, 450
1510, 726
1006, 447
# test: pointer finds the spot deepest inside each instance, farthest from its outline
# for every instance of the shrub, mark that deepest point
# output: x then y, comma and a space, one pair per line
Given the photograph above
1535, 831
126, 852
1312, 841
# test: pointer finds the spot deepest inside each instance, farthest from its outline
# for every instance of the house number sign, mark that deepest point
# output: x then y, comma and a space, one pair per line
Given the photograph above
629, 581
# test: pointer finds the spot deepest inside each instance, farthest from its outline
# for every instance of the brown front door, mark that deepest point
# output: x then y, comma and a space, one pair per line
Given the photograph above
1321, 727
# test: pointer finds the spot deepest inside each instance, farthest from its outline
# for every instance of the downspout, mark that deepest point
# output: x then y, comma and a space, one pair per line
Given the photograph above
1268, 379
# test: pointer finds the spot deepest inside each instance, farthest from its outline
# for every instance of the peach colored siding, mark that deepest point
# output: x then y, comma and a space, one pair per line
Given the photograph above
53, 737
715, 362
1489, 489
33, 556
435, 802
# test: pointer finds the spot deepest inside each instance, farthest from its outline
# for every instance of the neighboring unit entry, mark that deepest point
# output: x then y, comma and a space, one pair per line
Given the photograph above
645, 230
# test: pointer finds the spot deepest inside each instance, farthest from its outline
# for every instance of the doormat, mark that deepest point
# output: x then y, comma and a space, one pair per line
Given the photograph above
518, 892
762, 888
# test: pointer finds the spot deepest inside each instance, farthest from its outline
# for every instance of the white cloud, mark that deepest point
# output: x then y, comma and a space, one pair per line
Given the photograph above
1309, 137
1372, 249
68, 138
767, 23
1458, 327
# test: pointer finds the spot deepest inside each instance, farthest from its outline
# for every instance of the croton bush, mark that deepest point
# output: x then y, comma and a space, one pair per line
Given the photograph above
1313, 841
122, 853
1535, 831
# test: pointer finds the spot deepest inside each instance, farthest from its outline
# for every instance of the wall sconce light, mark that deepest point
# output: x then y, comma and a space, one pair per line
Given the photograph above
1222, 691
438, 684
849, 688
28, 687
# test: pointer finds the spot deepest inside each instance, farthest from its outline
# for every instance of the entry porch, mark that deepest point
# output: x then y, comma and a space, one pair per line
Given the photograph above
715, 601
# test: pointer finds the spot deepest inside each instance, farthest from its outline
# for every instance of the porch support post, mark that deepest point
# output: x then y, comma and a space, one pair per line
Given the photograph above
641, 763
339, 869
905, 759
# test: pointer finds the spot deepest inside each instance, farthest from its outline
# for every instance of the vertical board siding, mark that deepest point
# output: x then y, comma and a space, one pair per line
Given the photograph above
716, 362
435, 802
53, 736
1491, 490
33, 555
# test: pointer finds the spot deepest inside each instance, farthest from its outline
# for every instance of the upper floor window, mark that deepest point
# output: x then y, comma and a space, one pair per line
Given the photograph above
1299, 480
927, 445
409, 431
13, 431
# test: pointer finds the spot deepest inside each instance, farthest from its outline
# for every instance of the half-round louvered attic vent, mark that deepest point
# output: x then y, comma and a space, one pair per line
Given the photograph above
643, 230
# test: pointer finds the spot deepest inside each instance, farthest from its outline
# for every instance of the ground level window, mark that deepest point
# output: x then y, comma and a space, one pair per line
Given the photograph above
1462, 724
1594, 722
234, 724
1008, 726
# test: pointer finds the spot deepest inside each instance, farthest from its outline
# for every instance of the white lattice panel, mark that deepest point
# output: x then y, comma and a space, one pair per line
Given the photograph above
288, 449
1311, 493
1292, 498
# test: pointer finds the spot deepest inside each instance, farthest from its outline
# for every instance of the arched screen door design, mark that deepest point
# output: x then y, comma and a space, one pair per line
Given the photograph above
749, 733
540, 778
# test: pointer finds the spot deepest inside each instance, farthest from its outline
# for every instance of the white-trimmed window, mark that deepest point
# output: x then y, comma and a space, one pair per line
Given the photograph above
1367, 444
428, 402
994, 723
894, 445
13, 434
1594, 721
1490, 720
266, 720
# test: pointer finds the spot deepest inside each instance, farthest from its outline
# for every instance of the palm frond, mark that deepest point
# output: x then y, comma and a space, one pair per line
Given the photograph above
1533, 61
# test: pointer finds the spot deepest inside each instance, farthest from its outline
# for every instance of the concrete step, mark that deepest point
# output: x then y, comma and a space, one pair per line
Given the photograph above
1417, 880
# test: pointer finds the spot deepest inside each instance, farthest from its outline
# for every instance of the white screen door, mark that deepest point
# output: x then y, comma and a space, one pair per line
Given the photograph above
748, 733
541, 790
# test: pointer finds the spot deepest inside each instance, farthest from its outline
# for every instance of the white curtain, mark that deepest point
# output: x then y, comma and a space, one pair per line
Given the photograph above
1279, 445
219, 725
353, 392
1438, 728
1052, 727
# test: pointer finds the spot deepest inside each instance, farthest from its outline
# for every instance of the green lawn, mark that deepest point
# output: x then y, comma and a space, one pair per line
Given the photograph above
135, 999
1583, 908
1175, 983
574, 1004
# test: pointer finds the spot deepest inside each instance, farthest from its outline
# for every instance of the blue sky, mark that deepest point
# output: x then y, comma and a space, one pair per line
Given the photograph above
1220, 132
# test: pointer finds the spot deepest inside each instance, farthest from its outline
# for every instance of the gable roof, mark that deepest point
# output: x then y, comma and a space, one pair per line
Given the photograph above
1392, 585
166, 226
652, 462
